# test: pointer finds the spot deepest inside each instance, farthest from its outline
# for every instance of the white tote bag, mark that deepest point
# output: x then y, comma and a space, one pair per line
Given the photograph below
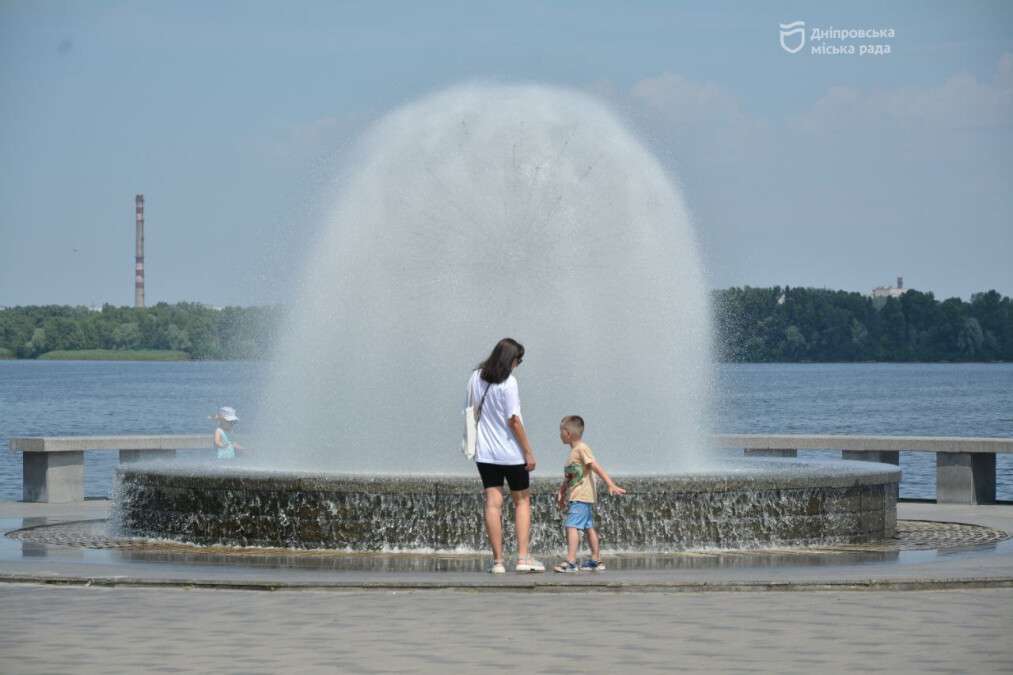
471, 418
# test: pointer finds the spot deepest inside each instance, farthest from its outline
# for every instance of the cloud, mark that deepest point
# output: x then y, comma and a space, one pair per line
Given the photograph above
1004, 78
312, 145
961, 102
688, 103
702, 123
858, 186
673, 108
299, 141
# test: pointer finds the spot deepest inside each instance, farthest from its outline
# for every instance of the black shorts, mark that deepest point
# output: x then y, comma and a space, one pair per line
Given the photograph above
516, 475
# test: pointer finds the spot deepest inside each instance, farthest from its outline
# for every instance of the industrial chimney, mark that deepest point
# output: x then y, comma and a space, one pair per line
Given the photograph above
139, 259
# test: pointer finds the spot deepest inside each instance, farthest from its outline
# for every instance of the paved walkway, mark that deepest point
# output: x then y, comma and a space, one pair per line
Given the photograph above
648, 627
130, 630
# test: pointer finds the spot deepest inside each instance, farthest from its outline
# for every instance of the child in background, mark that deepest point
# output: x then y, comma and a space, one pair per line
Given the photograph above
226, 419
577, 489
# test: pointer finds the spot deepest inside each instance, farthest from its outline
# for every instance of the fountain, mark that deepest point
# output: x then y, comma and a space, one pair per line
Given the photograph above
755, 503
480, 212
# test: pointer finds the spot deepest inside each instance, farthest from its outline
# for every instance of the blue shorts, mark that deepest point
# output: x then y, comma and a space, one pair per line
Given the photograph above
580, 516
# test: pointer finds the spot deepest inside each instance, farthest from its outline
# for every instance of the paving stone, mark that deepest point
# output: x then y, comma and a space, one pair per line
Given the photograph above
431, 631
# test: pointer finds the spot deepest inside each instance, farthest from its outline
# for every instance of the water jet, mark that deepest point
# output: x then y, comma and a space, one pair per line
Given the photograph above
479, 212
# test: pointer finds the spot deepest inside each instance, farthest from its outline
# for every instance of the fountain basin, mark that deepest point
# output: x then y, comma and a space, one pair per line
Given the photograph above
741, 504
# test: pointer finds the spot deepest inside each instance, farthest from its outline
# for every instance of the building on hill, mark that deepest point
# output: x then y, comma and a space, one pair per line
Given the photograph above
890, 291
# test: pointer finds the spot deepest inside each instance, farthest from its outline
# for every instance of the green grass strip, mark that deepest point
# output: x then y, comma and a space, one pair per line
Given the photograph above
115, 355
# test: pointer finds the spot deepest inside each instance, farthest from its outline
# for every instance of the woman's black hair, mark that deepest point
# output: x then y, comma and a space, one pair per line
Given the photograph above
497, 367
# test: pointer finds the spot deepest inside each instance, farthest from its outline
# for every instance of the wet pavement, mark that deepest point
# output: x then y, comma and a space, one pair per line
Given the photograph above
939, 546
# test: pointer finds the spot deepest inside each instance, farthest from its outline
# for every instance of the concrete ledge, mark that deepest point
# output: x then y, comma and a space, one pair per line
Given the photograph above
881, 456
771, 452
544, 584
53, 469
753, 441
127, 456
79, 443
56, 478
965, 467
965, 478
876, 443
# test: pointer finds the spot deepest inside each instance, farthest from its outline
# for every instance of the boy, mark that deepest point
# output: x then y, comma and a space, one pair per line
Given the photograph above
577, 488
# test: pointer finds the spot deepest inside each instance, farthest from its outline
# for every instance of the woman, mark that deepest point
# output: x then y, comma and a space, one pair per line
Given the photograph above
502, 450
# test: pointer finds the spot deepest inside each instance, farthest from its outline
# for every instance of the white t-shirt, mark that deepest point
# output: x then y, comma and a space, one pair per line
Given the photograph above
496, 443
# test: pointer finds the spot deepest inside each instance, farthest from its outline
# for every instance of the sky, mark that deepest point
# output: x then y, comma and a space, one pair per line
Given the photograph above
836, 170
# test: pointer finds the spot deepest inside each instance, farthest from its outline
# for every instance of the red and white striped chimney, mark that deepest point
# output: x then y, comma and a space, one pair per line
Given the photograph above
139, 259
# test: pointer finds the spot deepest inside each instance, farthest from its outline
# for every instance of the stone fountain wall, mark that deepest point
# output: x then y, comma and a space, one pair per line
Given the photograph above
809, 504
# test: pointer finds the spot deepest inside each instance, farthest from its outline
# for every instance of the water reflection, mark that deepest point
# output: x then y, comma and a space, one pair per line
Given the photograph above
474, 563
89, 542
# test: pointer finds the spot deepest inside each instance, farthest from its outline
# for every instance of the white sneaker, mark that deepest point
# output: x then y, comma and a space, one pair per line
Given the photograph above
497, 567
529, 565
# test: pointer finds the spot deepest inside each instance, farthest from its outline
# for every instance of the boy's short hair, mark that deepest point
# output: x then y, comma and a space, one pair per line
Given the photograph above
574, 423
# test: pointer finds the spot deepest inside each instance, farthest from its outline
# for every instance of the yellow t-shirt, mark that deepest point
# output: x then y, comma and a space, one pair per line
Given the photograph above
579, 477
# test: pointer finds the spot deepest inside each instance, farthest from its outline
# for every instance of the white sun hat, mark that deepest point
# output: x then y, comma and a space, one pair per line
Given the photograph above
228, 414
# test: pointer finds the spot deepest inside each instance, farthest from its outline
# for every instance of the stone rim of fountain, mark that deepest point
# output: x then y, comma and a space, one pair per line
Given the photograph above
782, 474
752, 503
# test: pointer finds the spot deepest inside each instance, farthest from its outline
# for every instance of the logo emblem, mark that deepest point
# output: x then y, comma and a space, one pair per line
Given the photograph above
788, 32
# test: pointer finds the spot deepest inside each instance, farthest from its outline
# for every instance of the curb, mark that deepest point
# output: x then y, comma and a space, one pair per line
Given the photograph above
533, 587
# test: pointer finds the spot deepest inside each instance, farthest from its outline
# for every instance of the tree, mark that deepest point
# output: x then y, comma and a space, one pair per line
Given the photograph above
203, 338
893, 340
753, 325
63, 333
992, 312
127, 336
179, 339
35, 346
794, 343
971, 338
859, 338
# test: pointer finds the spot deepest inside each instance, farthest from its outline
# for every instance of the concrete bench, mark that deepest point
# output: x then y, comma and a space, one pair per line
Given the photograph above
965, 467
54, 465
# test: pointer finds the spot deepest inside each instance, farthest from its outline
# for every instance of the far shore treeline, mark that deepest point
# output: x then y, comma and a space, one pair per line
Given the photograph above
182, 331
777, 324
819, 325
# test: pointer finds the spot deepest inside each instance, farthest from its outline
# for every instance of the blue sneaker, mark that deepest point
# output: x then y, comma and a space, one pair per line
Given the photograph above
566, 567
592, 566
